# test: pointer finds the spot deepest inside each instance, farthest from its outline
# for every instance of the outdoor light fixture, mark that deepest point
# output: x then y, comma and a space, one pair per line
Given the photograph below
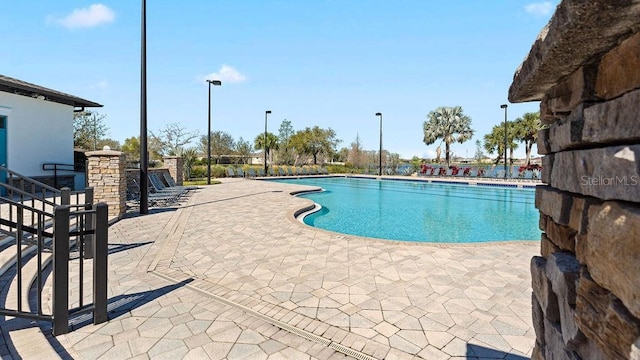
214, 83
504, 106
267, 112
380, 162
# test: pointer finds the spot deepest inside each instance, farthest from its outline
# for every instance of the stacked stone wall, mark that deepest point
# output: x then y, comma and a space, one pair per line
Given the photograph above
106, 174
175, 165
586, 283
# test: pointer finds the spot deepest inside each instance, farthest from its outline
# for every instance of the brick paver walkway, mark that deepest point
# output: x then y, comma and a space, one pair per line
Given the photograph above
231, 275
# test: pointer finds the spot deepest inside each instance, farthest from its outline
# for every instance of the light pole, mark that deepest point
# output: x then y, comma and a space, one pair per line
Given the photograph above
267, 112
380, 162
215, 83
144, 156
504, 106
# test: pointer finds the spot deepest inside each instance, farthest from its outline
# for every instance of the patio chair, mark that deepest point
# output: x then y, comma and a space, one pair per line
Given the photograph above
528, 175
251, 173
172, 184
230, 172
240, 172
158, 186
281, 172
154, 198
289, 171
261, 172
272, 172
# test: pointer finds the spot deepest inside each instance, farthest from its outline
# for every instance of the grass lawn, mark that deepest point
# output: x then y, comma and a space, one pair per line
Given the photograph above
198, 182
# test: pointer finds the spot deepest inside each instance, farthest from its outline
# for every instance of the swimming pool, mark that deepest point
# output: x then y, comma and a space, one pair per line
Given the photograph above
422, 212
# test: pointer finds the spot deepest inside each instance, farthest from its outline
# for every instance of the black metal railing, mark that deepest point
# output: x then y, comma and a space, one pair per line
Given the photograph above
44, 226
55, 167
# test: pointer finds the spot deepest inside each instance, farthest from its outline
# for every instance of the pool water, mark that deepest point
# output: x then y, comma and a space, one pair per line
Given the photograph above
422, 212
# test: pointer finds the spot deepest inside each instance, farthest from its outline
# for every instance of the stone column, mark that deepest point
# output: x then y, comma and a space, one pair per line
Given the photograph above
175, 164
107, 175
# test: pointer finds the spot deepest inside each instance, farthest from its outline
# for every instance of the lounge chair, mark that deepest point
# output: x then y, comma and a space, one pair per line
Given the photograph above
154, 198
528, 175
157, 186
272, 172
261, 172
240, 172
289, 171
230, 172
251, 173
281, 171
169, 180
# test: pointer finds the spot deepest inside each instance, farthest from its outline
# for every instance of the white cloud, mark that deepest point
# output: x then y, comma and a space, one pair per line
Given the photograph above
540, 9
226, 74
102, 84
94, 15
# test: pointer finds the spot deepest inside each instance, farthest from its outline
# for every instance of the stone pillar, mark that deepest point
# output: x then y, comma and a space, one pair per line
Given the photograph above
585, 71
107, 175
175, 164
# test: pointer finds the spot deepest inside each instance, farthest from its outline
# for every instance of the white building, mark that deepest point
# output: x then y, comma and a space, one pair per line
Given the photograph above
36, 128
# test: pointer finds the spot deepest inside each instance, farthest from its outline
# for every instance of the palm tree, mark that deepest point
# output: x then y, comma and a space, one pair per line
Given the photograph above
448, 124
272, 143
526, 130
494, 141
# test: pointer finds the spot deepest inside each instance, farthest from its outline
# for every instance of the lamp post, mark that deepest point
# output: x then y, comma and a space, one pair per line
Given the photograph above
380, 159
144, 158
215, 83
504, 106
266, 113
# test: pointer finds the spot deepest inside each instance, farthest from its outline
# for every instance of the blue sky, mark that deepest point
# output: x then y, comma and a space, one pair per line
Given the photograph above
331, 63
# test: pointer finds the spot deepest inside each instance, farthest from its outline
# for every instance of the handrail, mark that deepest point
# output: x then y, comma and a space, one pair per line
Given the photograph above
57, 167
35, 182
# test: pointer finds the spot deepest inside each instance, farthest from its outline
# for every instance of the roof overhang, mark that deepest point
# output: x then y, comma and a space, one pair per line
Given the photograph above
19, 87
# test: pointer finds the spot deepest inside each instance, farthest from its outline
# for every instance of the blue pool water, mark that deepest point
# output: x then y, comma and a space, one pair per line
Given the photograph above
421, 211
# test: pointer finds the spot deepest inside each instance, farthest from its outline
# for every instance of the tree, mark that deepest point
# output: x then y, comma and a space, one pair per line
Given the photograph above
479, 153
244, 149
315, 141
355, 153
189, 158
111, 143
131, 149
342, 155
494, 141
272, 144
221, 144
449, 124
172, 138
285, 133
526, 130
88, 129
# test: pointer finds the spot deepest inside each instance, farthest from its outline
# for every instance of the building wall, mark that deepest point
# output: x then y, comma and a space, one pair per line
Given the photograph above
38, 131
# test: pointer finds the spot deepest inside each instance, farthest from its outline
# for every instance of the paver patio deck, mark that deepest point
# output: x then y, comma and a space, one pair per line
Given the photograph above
232, 275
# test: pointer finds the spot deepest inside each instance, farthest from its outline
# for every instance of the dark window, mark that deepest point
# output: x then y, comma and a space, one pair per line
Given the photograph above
3, 122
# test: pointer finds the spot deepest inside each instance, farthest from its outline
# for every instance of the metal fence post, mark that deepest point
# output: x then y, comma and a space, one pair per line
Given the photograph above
90, 224
61, 270
65, 196
100, 263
